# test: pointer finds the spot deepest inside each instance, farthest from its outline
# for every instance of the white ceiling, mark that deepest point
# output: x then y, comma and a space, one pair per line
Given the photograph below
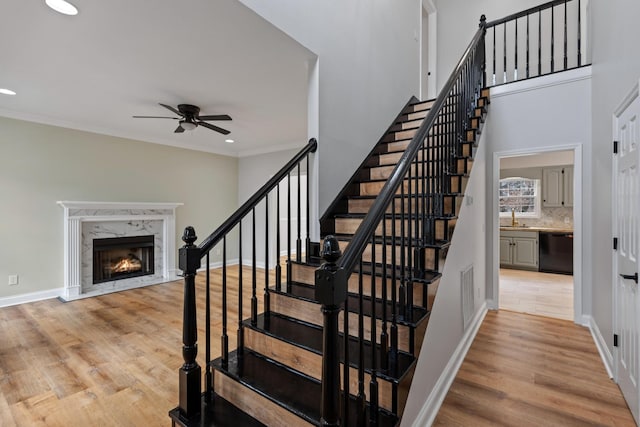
552, 158
120, 58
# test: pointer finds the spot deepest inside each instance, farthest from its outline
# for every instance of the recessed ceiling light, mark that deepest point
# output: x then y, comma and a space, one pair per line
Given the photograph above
7, 92
230, 141
62, 6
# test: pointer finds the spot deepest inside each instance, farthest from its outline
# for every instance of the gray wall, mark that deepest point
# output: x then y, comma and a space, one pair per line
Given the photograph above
368, 69
42, 164
528, 120
616, 68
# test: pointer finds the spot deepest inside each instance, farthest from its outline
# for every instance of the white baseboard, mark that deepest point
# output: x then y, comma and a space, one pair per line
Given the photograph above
429, 410
31, 297
218, 264
601, 344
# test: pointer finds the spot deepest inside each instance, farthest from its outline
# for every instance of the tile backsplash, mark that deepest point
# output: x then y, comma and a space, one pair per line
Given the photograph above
551, 217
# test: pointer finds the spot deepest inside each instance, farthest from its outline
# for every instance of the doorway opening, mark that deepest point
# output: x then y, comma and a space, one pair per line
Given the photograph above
538, 215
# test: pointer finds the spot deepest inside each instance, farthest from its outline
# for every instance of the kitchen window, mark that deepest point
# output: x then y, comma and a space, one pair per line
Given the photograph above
521, 195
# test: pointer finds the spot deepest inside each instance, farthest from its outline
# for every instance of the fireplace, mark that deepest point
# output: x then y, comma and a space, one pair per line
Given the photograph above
119, 258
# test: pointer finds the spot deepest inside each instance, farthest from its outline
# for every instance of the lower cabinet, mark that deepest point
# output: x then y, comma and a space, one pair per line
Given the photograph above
519, 249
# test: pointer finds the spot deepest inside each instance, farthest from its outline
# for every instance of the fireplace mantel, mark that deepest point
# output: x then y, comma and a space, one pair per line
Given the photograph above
85, 219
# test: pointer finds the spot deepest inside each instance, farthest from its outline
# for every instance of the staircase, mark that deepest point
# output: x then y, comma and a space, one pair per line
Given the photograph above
338, 339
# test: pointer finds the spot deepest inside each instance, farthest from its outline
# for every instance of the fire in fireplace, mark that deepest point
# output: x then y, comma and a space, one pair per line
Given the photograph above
122, 257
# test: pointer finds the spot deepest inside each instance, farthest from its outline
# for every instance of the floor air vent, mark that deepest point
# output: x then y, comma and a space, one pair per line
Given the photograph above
466, 288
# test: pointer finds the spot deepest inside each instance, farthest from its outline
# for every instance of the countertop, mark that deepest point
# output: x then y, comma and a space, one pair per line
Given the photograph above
534, 228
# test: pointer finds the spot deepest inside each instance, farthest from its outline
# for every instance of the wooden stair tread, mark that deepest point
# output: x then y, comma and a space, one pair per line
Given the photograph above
309, 337
307, 292
219, 413
292, 390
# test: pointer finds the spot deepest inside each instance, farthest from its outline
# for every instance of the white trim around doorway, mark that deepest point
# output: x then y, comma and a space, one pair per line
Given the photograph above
577, 224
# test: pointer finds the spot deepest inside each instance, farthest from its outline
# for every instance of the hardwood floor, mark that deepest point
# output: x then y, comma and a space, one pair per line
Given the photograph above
113, 361
543, 294
524, 370
105, 361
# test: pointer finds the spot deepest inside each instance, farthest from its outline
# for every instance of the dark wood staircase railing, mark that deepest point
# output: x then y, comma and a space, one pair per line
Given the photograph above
424, 175
526, 44
190, 400
336, 343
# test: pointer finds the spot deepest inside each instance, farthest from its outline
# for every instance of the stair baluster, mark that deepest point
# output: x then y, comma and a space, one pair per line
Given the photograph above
278, 269
224, 338
208, 376
307, 245
299, 222
240, 311
384, 338
361, 398
267, 299
254, 273
373, 384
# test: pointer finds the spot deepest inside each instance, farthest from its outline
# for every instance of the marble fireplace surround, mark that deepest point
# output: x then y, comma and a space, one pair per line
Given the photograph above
84, 221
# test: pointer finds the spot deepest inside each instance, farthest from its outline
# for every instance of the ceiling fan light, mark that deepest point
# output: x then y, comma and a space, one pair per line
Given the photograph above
7, 91
62, 6
188, 125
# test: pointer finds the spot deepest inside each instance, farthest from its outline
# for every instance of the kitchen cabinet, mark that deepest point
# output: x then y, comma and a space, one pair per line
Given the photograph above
519, 249
557, 187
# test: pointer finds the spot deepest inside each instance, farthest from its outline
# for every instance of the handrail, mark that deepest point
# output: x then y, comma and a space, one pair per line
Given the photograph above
524, 13
215, 237
362, 235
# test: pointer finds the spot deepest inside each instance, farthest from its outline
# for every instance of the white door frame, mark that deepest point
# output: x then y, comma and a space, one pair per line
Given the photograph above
432, 27
626, 102
577, 223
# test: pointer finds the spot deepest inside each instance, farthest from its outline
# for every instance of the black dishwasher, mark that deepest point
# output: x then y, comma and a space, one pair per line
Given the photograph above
556, 253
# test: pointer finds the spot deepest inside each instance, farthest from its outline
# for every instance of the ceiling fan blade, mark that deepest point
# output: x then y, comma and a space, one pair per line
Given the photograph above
168, 107
179, 129
215, 117
213, 127
154, 117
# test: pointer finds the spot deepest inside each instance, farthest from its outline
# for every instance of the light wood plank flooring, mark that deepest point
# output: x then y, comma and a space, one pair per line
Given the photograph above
524, 370
111, 360
543, 294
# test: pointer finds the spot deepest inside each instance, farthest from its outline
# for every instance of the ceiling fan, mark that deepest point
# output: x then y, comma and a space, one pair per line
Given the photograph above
190, 118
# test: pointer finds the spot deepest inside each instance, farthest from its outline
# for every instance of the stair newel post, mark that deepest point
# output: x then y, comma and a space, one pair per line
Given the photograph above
190, 372
254, 275
331, 292
483, 59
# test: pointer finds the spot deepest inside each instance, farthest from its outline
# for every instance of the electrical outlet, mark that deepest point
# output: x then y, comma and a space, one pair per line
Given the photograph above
13, 279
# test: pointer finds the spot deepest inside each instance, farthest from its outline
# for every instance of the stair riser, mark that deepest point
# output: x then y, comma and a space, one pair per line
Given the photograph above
384, 172
414, 186
350, 225
394, 136
310, 312
422, 106
306, 274
406, 125
310, 363
392, 158
451, 205
254, 404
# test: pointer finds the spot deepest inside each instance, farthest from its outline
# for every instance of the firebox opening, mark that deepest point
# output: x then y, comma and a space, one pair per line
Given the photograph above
122, 257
